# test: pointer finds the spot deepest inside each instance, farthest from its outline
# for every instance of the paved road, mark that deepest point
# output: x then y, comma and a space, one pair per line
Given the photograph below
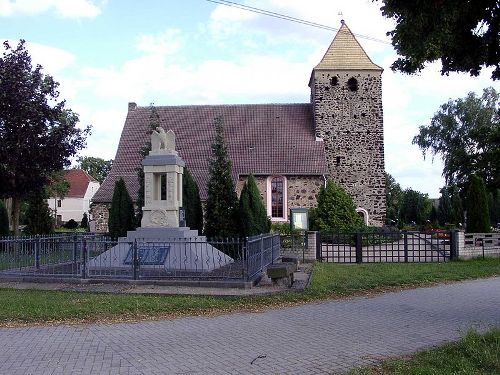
320, 338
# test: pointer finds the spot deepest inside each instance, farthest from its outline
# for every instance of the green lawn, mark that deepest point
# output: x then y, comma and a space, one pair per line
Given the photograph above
474, 354
328, 281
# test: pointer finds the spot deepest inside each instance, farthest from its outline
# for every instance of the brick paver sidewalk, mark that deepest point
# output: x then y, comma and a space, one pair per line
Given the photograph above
311, 339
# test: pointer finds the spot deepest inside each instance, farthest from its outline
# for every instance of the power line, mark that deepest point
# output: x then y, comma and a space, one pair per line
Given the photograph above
289, 18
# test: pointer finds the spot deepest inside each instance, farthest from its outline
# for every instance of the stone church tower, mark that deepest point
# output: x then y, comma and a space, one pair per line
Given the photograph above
346, 95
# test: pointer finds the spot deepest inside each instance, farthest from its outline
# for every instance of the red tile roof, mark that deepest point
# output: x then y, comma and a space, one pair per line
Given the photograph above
263, 139
79, 182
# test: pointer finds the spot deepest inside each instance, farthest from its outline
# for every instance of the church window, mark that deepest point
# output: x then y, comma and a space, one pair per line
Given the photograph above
276, 198
334, 81
352, 84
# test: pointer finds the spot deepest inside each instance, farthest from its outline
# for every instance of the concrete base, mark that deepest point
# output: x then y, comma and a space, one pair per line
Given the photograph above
181, 248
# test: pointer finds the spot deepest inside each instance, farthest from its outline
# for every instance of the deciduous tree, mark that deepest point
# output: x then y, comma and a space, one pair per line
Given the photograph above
466, 134
96, 167
4, 220
38, 134
415, 207
463, 35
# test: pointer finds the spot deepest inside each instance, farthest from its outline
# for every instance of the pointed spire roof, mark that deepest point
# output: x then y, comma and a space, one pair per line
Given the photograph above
345, 53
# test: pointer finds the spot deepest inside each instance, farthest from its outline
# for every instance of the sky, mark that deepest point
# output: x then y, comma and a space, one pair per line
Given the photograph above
107, 53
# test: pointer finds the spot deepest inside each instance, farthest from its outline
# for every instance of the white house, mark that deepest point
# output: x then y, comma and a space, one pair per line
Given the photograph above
77, 201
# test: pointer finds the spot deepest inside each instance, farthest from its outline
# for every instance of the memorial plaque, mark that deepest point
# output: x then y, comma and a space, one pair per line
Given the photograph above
149, 255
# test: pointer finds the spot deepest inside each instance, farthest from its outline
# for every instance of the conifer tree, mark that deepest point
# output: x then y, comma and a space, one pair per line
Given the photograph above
4, 220
222, 201
38, 217
477, 206
191, 201
252, 213
85, 221
121, 212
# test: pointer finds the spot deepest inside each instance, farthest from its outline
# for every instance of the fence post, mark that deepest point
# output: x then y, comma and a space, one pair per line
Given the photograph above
37, 251
135, 262
75, 249
318, 247
245, 259
405, 236
84, 259
261, 253
359, 247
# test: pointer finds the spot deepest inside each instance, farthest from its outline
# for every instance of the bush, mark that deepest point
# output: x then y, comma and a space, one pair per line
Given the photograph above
70, 224
121, 212
4, 220
252, 213
336, 210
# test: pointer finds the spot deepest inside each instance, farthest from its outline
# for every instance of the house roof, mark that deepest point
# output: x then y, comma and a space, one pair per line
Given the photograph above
345, 53
79, 181
263, 139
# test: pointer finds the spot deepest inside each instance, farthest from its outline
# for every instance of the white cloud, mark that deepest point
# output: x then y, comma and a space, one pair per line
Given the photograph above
63, 8
164, 43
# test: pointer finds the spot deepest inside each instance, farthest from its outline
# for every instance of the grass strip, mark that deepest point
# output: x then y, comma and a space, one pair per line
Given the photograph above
328, 281
474, 354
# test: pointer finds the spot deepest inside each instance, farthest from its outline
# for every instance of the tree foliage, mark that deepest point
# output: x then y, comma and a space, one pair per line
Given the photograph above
38, 217
4, 220
252, 212
96, 167
336, 210
37, 133
466, 134
393, 196
494, 206
221, 217
85, 221
450, 208
191, 202
121, 212
463, 35
477, 206
415, 207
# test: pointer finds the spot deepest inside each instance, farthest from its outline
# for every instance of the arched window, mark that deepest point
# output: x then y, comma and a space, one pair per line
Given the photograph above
363, 214
277, 197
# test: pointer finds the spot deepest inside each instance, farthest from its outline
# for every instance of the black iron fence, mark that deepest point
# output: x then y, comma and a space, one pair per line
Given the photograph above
99, 257
386, 247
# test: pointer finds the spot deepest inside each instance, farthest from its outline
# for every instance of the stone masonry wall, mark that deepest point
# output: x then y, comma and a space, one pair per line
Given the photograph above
302, 191
99, 212
351, 125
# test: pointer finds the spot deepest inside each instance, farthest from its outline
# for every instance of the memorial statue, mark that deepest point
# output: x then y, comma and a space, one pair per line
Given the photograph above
161, 140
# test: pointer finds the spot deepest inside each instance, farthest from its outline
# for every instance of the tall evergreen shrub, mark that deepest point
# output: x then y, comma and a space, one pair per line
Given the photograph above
38, 217
477, 206
221, 217
336, 210
121, 212
85, 221
252, 213
191, 201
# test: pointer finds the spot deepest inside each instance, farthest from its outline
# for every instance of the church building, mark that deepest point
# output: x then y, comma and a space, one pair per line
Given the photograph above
291, 149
